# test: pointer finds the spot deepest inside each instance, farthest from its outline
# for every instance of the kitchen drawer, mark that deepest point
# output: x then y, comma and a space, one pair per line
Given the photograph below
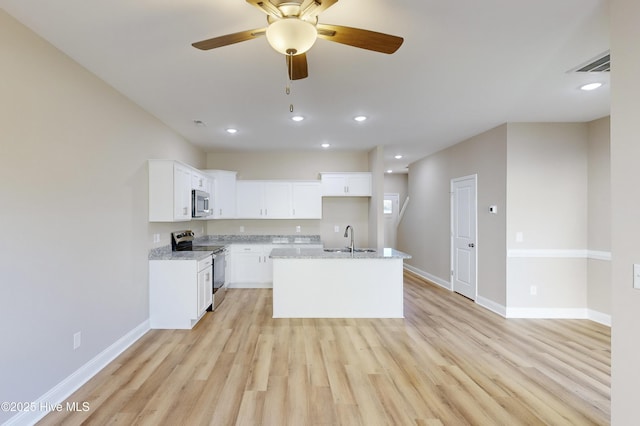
204, 263
247, 248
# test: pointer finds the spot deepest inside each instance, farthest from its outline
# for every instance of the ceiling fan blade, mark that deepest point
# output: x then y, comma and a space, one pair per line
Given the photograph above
267, 7
364, 39
228, 39
298, 69
313, 8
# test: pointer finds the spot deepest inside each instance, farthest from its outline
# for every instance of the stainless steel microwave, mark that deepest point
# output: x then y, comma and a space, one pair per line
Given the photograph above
200, 204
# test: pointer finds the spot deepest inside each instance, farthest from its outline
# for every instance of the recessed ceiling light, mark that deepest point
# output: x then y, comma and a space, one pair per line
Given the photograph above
360, 118
590, 86
325, 145
231, 130
397, 157
389, 171
297, 118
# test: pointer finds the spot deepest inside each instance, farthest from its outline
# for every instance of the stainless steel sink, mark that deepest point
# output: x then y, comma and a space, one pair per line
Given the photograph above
346, 250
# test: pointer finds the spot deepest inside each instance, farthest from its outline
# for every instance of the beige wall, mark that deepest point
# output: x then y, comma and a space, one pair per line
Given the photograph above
376, 216
303, 165
599, 212
425, 230
548, 180
547, 185
625, 175
547, 202
397, 183
75, 236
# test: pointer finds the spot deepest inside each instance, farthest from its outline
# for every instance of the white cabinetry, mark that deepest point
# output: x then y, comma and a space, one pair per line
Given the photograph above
263, 199
279, 199
169, 191
356, 184
223, 193
200, 182
180, 292
307, 200
250, 266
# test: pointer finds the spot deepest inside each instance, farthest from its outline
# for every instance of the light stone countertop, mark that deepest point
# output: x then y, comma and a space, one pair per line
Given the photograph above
178, 255
165, 253
318, 253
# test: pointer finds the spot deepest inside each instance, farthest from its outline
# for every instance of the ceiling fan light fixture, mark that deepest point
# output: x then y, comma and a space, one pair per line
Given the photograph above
291, 36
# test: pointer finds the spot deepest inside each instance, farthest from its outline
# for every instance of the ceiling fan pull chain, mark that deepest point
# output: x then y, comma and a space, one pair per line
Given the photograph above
288, 90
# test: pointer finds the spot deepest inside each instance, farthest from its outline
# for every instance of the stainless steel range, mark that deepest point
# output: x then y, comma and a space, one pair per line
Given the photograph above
183, 241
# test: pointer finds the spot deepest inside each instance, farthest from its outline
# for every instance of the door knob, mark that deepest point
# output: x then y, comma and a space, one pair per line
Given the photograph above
471, 245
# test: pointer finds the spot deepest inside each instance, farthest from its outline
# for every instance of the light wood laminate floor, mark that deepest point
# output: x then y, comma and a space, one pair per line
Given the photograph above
449, 362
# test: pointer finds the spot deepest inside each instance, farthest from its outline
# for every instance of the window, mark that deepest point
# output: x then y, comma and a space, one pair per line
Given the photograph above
387, 207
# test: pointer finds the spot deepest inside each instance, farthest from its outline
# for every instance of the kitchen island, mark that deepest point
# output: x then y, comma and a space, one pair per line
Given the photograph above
335, 283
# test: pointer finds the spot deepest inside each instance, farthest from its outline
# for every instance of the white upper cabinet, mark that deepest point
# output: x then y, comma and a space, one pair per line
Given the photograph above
169, 191
263, 199
356, 184
200, 182
307, 200
223, 193
279, 200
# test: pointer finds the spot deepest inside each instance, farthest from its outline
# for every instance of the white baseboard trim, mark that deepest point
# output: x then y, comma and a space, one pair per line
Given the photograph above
539, 313
492, 306
428, 276
549, 313
250, 285
62, 390
599, 317
560, 253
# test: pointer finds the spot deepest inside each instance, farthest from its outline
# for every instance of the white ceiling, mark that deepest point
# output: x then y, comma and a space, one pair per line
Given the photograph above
465, 66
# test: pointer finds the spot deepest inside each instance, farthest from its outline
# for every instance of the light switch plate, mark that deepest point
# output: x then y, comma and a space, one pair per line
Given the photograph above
636, 276
519, 237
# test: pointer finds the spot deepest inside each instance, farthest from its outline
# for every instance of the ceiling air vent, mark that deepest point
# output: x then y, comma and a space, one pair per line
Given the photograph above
602, 63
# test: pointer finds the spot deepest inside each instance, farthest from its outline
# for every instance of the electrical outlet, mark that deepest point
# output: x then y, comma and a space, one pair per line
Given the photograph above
298, 229
156, 238
534, 290
77, 340
336, 228
242, 229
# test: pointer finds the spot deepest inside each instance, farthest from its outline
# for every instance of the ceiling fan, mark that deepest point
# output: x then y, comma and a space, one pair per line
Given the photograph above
293, 28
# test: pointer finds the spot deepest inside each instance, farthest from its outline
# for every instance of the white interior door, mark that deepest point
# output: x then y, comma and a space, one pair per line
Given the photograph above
463, 236
391, 210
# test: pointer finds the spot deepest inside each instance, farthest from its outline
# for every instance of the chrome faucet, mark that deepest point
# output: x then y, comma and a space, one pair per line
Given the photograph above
346, 234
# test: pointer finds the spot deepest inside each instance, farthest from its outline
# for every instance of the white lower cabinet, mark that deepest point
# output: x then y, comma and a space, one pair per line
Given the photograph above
180, 291
249, 265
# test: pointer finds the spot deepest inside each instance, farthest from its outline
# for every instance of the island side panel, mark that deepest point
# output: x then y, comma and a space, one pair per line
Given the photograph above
337, 288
